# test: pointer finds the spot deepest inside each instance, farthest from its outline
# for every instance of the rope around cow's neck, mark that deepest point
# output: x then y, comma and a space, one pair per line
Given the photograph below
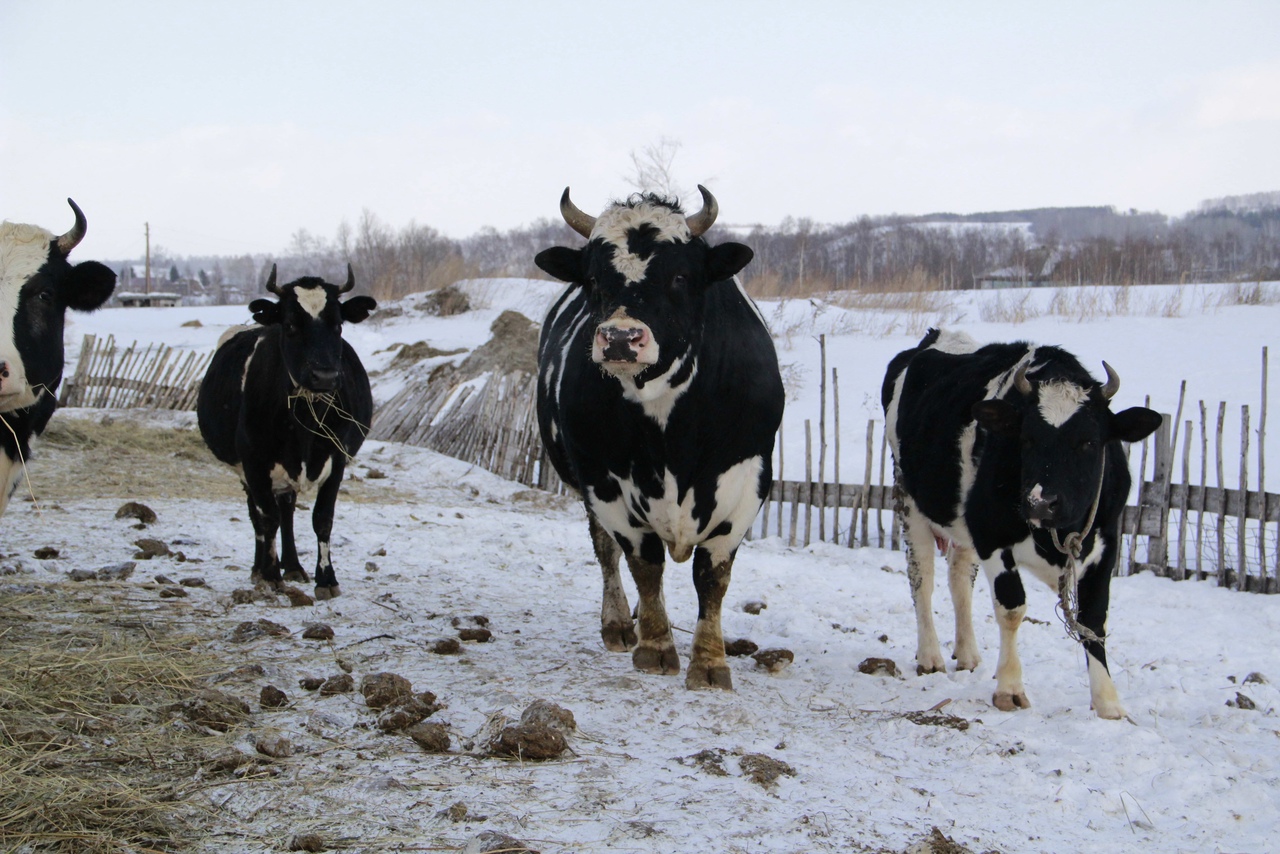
1068, 605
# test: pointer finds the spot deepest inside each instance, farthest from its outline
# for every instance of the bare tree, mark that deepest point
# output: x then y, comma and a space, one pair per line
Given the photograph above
652, 170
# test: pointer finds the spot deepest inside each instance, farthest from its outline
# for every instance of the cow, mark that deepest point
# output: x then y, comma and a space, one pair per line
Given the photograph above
37, 285
658, 399
287, 404
1008, 455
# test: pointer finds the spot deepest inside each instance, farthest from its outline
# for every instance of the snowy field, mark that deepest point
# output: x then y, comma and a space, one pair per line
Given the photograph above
653, 767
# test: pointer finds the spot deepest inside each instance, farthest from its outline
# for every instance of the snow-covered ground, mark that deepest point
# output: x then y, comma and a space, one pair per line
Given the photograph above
1185, 773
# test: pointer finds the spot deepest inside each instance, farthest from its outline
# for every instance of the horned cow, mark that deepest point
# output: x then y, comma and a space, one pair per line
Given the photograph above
37, 285
659, 396
1010, 454
288, 404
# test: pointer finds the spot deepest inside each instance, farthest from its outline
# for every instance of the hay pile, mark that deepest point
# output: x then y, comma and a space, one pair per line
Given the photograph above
90, 759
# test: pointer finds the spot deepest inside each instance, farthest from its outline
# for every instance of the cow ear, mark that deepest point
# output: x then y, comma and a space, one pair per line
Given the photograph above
998, 416
1135, 424
89, 286
357, 309
562, 263
265, 311
726, 260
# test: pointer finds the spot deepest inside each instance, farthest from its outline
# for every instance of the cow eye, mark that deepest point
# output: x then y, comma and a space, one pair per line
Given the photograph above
1087, 445
45, 296
680, 280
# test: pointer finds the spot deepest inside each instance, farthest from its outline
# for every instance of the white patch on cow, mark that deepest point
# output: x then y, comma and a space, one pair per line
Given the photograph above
232, 332
1060, 400
670, 516
282, 482
10, 473
952, 341
312, 300
24, 249
324, 555
968, 474
569, 338
891, 413
244, 376
659, 396
1001, 383
613, 225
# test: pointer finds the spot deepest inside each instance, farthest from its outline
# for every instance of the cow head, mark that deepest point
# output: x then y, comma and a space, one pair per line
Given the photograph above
310, 316
645, 269
1063, 429
37, 286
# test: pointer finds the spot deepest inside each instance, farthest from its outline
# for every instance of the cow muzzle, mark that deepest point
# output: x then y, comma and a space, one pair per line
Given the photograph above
622, 343
1041, 507
15, 392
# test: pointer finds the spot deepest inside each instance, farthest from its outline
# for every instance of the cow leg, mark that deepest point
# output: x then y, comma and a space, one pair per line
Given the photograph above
655, 650
322, 523
10, 473
266, 522
962, 564
708, 667
920, 546
289, 563
1094, 594
616, 627
1011, 606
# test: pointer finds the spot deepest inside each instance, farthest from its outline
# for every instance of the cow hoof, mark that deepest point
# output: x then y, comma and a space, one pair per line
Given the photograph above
618, 638
653, 660
1109, 712
967, 662
935, 668
701, 677
328, 592
1010, 701
296, 575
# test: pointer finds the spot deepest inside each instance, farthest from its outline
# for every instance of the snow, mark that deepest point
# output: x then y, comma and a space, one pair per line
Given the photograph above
1184, 773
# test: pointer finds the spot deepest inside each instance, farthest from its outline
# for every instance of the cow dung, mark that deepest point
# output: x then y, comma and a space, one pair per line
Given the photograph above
433, 738
297, 598
446, 646
535, 741
765, 770
275, 746
340, 684
318, 631
272, 697
774, 660
134, 510
254, 629
547, 713
308, 842
149, 547
879, 667
741, 646
381, 690
46, 553
310, 683
477, 635
213, 709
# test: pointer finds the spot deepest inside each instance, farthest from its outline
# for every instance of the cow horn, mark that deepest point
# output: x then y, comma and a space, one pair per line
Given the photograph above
351, 280
271, 281
705, 218
578, 221
68, 241
1020, 381
1113, 382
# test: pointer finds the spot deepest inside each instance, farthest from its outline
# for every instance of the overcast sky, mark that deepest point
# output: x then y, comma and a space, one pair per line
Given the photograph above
229, 126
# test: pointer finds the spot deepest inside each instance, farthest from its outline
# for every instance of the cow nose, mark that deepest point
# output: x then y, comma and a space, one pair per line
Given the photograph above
324, 379
1042, 506
621, 343
4, 370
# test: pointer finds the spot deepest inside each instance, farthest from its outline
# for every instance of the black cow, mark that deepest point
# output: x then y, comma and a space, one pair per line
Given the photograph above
37, 286
658, 399
288, 405
1009, 455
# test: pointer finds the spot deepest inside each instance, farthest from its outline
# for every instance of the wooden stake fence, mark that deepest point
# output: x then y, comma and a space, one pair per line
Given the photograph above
156, 376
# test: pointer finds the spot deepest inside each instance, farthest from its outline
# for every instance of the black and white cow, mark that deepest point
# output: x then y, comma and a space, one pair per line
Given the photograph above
288, 405
37, 285
658, 399
1002, 453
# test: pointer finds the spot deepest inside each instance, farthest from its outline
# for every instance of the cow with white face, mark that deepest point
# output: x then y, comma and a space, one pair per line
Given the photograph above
287, 404
658, 399
1009, 456
37, 285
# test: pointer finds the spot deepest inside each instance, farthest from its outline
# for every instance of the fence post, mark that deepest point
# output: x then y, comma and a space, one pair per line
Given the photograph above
1155, 496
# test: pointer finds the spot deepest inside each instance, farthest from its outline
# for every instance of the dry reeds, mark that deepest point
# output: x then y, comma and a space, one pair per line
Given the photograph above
88, 758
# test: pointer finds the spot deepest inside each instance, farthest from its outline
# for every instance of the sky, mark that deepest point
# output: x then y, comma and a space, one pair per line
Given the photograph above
230, 126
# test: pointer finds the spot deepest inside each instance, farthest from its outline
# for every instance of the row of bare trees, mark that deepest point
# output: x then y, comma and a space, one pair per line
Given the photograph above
1047, 246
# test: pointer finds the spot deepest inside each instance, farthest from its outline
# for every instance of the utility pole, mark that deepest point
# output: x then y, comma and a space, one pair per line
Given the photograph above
148, 227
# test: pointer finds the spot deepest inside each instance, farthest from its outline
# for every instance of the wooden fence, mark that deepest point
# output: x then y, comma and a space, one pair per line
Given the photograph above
157, 376
1188, 529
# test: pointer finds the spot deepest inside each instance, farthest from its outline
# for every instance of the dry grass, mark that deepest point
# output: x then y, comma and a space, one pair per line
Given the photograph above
117, 455
88, 758
1256, 293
